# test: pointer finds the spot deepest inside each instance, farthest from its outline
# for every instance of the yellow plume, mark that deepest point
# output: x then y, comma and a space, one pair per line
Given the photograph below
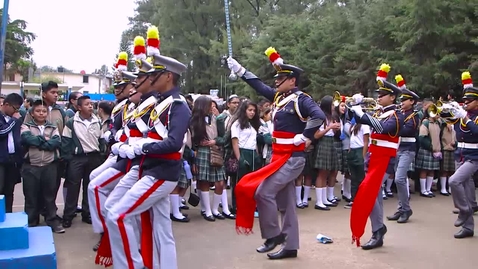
398, 78
385, 68
465, 75
152, 33
139, 41
123, 56
269, 51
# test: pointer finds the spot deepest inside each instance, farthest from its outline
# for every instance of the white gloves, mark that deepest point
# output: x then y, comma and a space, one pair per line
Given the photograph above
358, 98
122, 150
299, 139
459, 112
437, 155
138, 148
115, 147
129, 150
357, 109
119, 133
235, 67
106, 135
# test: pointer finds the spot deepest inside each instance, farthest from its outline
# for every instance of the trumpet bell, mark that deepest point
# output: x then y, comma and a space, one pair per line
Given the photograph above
434, 110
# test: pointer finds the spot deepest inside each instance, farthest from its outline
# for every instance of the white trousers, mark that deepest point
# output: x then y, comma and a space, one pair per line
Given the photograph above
99, 188
148, 193
107, 164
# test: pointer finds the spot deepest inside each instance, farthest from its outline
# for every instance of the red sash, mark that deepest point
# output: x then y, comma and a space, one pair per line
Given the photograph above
247, 186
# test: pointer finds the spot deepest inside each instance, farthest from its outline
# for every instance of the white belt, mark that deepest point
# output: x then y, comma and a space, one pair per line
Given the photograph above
408, 139
464, 145
384, 143
283, 141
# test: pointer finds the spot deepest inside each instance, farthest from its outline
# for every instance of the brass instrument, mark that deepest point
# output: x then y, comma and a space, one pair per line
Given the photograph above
367, 103
445, 110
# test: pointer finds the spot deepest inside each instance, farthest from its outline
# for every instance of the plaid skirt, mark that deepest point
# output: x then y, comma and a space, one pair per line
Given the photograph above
183, 182
309, 170
448, 161
327, 156
205, 171
425, 161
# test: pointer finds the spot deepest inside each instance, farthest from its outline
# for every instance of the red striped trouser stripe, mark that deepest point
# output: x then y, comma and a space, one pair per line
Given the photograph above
97, 196
121, 227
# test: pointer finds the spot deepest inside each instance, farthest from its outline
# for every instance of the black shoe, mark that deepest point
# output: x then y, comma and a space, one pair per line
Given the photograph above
57, 228
229, 216
184, 207
389, 194
464, 233
462, 218
95, 247
86, 220
209, 218
395, 216
428, 195
455, 211
377, 239
283, 254
79, 210
66, 223
445, 193
349, 205
306, 204
321, 208
300, 206
404, 216
218, 216
271, 243
184, 219
346, 199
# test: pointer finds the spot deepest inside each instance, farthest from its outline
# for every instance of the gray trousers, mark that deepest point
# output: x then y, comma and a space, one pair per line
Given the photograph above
402, 164
376, 216
277, 193
471, 189
463, 190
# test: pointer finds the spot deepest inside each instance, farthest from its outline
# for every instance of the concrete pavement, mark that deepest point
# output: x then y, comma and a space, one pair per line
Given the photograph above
425, 242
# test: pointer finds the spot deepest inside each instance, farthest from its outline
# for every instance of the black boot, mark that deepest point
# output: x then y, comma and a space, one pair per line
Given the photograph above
404, 216
283, 254
271, 243
377, 239
95, 248
395, 216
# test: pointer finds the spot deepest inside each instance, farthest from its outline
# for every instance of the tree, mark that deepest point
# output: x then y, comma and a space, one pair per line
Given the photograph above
103, 71
26, 68
42, 79
17, 44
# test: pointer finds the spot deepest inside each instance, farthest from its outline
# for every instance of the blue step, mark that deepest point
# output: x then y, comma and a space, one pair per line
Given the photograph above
14, 232
2, 208
40, 255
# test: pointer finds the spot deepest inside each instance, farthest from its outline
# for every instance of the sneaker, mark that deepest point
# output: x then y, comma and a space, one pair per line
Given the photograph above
349, 205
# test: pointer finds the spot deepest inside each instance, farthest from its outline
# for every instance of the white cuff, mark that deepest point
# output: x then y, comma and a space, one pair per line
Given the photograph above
241, 72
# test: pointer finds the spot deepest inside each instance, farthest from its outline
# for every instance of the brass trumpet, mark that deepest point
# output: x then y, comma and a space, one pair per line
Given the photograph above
445, 110
367, 103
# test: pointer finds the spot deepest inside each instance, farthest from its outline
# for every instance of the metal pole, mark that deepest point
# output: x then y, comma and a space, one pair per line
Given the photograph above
232, 76
3, 36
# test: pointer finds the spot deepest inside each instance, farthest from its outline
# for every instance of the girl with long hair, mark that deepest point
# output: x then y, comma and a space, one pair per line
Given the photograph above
327, 160
207, 134
244, 126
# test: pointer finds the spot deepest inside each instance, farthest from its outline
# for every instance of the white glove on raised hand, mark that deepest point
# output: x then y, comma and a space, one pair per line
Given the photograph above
459, 113
115, 148
122, 150
129, 150
106, 135
118, 134
358, 98
357, 110
235, 66
299, 139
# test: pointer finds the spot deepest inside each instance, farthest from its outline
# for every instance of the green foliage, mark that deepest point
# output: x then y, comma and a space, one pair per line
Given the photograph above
339, 44
17, 43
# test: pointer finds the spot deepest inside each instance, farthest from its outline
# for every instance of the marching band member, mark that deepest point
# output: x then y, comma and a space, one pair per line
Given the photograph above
122, 175
161, 169
406, 150
96, 198
296, 118
461, 182
384, 145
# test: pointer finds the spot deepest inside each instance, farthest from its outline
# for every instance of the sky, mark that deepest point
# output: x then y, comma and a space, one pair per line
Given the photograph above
77, 34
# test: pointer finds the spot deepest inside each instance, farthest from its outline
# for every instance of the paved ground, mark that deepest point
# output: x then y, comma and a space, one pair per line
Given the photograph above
426, 242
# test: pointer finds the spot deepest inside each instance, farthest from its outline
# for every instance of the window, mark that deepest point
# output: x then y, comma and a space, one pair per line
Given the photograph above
85, 79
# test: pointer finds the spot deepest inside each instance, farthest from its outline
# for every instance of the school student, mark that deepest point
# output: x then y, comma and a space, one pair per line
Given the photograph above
41, 141
82, 145
10, 147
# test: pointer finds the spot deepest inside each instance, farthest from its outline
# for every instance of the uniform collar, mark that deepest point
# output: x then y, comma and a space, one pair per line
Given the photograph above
290, 92
390, 107
147, 95
165, 95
